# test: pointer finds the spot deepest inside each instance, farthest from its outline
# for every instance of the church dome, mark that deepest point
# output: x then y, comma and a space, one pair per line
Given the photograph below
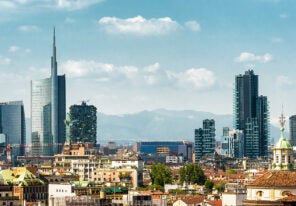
283, 143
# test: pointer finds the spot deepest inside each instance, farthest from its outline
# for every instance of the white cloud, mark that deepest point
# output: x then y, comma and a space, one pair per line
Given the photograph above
149, 76
75, 4
4, 5
152, 68
138, 26
150, 79
193, 25
277, 40
70, 20
29, 5
250, 57
283, 81
4, 60
13, 49
17, 50
83, 68
27, 28
128, 71
284, 16
199, 78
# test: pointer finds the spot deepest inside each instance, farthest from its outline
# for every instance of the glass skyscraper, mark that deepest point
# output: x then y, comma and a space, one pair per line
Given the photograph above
292, 123
13, 128
204, 139
251, 115
48, 112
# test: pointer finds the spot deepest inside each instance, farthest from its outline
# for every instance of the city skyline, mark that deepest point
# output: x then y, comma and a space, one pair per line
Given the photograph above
141, 55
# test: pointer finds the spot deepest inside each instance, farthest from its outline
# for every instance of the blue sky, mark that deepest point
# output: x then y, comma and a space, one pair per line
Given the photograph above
130, 55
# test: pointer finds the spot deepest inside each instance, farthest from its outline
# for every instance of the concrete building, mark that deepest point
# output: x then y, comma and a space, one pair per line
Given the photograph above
234, 194
57, 193
21, 187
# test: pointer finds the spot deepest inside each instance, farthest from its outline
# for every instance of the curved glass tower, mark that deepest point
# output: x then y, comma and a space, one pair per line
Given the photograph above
48, 112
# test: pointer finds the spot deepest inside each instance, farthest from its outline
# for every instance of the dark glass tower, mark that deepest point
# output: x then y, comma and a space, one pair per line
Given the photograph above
205, 139
251, 115
245, 97
12, 126
292, 123
48, 112
83, 127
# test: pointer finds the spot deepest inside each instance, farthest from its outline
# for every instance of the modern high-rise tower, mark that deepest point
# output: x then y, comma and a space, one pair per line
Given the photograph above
48, 111
251, 115
83, 127
12, 127
204, 139
292, 123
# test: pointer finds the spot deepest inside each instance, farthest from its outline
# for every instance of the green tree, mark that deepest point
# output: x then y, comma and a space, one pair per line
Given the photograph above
230, 171
192, 173
209, 185
160, 175
220, 187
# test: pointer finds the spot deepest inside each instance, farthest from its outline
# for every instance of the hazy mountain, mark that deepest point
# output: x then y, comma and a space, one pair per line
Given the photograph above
160, 124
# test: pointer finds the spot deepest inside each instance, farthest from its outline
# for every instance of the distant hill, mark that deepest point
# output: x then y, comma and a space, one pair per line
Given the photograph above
158, 124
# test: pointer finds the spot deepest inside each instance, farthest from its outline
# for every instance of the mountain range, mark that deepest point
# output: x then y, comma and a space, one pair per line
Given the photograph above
160, 124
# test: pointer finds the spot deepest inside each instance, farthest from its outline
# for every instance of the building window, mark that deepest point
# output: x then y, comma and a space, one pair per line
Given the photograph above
289, 159
283, 159
286, 193
277, 159
259, 194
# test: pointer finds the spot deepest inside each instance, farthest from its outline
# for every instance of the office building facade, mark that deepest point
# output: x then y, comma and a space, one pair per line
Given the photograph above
83, 126
48, 112
232, 143
292, 124
251, 115
13, 128
204, 139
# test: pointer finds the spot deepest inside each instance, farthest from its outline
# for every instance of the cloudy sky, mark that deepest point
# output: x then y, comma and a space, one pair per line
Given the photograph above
131, 55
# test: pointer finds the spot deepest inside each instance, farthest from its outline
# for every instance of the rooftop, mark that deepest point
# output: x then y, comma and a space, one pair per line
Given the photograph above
275, 179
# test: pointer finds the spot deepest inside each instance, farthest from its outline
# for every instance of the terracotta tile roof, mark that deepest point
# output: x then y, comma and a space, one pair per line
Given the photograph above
289, 198
275, 179
215, 202
190, 199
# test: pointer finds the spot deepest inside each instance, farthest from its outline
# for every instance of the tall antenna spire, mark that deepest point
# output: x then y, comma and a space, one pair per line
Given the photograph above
54, 36
53, 58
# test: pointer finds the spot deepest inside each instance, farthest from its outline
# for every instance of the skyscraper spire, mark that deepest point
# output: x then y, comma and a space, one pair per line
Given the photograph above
54, 95
53, 57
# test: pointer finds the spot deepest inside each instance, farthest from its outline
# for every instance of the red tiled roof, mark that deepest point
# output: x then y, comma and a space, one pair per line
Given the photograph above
190, 199
215, 202
289, 198
275, 179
